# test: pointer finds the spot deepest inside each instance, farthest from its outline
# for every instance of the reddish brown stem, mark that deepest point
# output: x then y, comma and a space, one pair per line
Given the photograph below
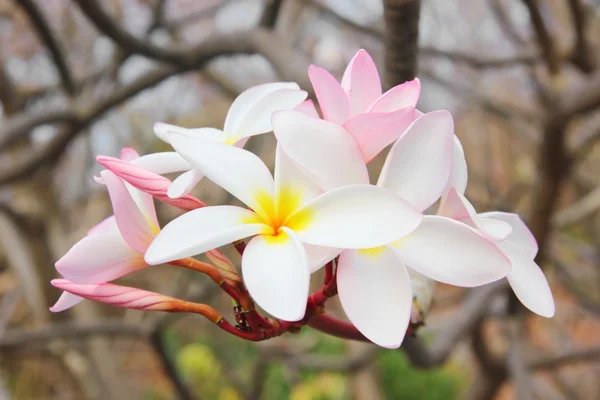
212, 272
328, 272
336, 327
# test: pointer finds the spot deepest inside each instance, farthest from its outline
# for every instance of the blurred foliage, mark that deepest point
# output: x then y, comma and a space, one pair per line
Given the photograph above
207, 369
399, 380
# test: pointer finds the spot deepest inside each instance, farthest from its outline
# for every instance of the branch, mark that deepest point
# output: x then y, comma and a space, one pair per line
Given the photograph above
583, 55
270, 13
401, 40
42, 27
543, 36
517, 369
559, 360
17, 338
285, 60
478, 62
463, 322
580, 210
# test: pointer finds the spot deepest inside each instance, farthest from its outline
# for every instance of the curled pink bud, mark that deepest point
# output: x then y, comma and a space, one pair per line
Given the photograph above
118, 296
148, 182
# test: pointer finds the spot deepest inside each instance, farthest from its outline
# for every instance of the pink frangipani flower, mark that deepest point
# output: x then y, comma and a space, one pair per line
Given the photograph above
295, 228
116, 246
249, 115
374, 286
374, 119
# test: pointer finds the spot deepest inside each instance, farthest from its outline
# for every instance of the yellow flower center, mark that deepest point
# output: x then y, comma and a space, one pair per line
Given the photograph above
282, 210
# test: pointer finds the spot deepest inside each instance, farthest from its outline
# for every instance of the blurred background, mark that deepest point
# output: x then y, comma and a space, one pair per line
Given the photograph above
86, 77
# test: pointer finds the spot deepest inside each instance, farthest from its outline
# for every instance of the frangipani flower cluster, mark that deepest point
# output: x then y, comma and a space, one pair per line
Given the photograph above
317, 206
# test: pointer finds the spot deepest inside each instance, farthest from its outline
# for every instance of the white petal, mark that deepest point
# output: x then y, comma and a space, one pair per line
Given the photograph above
418, 166
247, 99
458, 174
318, 256
203, 229
456, 206
276, 272
451, 252
354, 217
528, 281
258, 119
521, 236
65, 301
238, 171
184, 183
162, 163
293, 188
162, 130
375, 292
323, 149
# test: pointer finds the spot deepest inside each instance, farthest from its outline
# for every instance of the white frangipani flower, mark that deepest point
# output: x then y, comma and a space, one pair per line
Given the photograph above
296, 229
518, 244
249, 115
373, 284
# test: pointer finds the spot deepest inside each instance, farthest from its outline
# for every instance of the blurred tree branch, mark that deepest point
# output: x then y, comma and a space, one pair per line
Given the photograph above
39, 23
401, 40
543, 36
583, 54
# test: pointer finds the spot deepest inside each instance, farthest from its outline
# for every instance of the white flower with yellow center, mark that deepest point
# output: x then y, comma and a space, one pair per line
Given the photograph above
296, 227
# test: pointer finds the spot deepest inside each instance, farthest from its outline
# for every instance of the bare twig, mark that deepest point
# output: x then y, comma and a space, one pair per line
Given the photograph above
270, 13
517, 369
39, 23
19, 338
479, 62
464, 321
284, 59
580, 210
543, 36
583, 55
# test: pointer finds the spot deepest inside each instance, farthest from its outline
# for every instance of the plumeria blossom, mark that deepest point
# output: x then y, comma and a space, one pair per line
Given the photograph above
517, 243
116, 246
375, 120
249, 115
373, 284
295, 227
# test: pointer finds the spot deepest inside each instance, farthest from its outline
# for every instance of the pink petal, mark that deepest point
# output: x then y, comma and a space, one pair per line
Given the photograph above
118, 296
403, 95
361, 82
374, 131
149, 182
375, 292
99, 258
133, 225
128, 154
107, 225
307, 108
334, 103
65, 301
458, 174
